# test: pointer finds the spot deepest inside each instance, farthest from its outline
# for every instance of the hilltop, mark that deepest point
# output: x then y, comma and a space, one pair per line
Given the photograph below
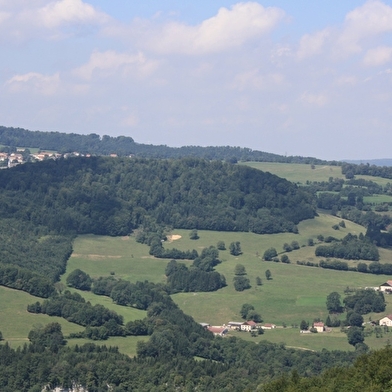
125, 146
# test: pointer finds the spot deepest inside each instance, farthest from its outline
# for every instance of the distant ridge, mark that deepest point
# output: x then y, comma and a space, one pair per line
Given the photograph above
125, 146
376, 162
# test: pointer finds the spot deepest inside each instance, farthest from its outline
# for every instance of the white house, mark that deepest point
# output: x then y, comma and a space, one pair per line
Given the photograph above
319, 326
387, 286
387, 320
248, 326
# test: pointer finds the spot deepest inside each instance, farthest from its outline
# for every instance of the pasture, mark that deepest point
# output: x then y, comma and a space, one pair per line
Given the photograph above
294, 293
16, 322
300, 173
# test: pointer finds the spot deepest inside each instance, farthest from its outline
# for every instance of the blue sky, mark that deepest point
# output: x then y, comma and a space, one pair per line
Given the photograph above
309, 78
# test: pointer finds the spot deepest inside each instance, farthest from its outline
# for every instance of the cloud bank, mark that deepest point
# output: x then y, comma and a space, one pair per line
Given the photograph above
240, 77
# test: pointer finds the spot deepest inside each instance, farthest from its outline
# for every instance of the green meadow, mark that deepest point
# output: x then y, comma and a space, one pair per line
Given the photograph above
300, 173
294, 292
16, 322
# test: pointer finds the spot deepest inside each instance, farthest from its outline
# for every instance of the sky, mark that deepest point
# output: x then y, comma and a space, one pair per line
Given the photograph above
310, 78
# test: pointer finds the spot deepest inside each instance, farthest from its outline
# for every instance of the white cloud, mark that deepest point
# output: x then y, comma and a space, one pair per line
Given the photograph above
62, 12
311, 44
229, 28
369, 20
378, 56
35, 82
25, 20
111, 62
360, 29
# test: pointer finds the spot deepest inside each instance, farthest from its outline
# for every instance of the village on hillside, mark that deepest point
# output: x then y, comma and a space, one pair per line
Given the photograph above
23, 155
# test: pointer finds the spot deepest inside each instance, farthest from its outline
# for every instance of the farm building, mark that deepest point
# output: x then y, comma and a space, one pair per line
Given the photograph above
218, 331
248, 326
387, 320
387, 286
319, 326
235, 324
268, 326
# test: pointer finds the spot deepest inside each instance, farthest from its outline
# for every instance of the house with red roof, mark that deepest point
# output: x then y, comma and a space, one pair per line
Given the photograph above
218, 331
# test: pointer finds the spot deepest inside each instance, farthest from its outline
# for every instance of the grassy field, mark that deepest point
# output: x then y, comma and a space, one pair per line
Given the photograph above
291, 337
99, 256
294, 293
378, 199
16, 322
300, 173
126, 345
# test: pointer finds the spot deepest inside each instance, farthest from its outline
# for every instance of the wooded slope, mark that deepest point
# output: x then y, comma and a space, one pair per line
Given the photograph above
114, 196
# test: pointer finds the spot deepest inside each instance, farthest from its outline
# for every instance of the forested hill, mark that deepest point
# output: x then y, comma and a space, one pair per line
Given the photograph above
113, 196
125, 146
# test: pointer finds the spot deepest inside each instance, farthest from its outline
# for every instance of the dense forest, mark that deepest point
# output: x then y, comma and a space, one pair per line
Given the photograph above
125, 146
370, 372
114, 196
165, 364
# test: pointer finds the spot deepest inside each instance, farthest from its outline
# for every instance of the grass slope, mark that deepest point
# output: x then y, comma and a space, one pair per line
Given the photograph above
294, 293
16, 322
300, 173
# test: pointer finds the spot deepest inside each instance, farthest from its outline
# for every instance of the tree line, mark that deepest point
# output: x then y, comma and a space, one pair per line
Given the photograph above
125, 145
351, 247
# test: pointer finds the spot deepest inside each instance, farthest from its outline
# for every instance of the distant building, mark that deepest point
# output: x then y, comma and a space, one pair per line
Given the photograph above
248, 326
320, 327
268, 326
218, 331
387, 320
387, 286
235, 324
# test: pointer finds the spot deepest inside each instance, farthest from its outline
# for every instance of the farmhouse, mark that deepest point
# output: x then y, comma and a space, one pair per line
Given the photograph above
248, 325
319, 326
218, 331
387, 286
387, 320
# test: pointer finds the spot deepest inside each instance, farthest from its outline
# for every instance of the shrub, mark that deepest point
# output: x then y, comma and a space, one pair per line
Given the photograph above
269, 254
